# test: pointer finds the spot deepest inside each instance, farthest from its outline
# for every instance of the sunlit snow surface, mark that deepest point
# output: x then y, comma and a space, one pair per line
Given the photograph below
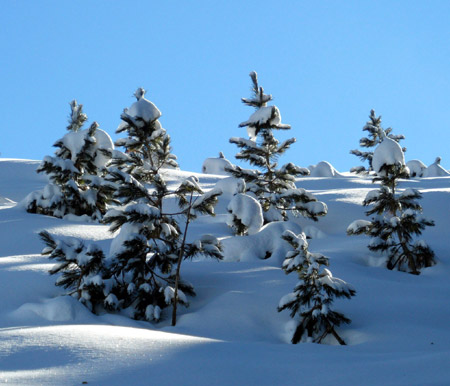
231, 334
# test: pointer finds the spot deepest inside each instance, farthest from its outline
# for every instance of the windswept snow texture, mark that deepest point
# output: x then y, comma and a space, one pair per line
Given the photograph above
232, 333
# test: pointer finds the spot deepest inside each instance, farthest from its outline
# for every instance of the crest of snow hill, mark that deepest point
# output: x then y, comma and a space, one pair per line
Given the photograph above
90, 179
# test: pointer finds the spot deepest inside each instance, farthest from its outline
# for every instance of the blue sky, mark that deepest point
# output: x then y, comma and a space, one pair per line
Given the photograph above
327, 63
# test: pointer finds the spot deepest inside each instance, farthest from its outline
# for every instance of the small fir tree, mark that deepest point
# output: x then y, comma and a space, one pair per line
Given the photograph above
75, 172
375, 131
311, 301
273, 187
147, 259
397, 217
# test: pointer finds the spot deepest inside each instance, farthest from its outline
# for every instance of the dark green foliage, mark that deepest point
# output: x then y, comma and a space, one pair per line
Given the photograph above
81, 269
397, 220
273, 187
313, 296
76, 185
146, 266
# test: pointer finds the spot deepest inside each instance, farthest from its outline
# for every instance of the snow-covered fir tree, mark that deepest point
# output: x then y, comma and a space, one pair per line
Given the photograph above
81, 268
313, 296
147, 253
273, 187
75, 172
375, 131
396, 215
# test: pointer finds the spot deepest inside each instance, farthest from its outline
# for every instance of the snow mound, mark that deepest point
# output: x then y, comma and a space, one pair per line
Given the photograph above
435, 170
267, 243
217, 165
416, 168
323, 169
387, 152
60, 309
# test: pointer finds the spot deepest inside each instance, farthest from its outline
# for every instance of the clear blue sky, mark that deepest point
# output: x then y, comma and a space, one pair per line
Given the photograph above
327, 63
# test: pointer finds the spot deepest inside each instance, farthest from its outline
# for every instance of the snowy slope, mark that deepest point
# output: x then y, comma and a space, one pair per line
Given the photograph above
231, 334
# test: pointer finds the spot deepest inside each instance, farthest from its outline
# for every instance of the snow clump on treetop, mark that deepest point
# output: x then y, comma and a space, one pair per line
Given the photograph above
388, 152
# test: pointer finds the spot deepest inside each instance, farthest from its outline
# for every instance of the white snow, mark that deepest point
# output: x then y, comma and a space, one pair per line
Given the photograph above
388, 152
435, 170
142, 108
231, 333
216, 166
248, 210
262, 116
416, 167
323, 169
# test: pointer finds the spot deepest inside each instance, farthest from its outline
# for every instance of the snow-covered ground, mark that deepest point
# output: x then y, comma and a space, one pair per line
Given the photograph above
232, 333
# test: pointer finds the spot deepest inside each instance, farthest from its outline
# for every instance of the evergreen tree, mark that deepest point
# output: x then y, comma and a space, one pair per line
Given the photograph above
374, 129
396, 215
75, 172
148, 251
273, 187
81, 269
311, 301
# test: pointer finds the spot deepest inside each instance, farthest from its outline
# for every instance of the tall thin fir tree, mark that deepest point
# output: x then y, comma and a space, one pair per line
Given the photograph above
273, 187
313, 296
147, 253
397, 218
375, 131
75, 172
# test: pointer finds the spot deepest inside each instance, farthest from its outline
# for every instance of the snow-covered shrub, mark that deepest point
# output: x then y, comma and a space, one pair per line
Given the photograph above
273, 187
313, 296
435, 170
415, 167
81, 267
397, 216
323, 169
75, 172
244, 215
151, 244
375, 133
217, 166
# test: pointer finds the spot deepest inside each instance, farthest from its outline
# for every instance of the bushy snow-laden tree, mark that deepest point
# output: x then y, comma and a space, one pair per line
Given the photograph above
313, 296
397, 215
273, 187
81, 268
75, 172
375, 132
146, 255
